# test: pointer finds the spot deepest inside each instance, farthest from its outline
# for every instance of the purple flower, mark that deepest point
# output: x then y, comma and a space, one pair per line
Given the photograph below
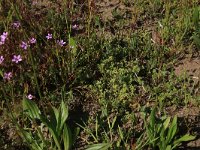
17, 59
24, 45
16, 24
61, 42
7, 76
1, 59
32, 41
75, 26
29, 96
3, 38
49, 36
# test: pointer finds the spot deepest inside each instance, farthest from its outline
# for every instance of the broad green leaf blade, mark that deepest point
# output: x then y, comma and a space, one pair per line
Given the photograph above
185, 138
64, 114
169, 147
67, 137
102, 146
31, 109
166, 123
52, 130
172, 130
32, 143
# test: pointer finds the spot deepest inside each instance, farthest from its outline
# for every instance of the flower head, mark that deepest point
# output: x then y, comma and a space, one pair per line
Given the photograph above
29, 96
32, 41
49, 36
16, 24
7, 76
17, 59
3, 38
24, 45
61, 42
1, 59
75, 26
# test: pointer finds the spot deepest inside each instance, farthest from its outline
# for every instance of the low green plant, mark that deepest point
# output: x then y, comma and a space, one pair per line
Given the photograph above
100, 146
61, 136
162, 133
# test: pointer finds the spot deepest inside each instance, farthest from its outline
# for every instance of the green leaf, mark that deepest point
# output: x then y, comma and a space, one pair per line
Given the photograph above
1, 73
31, 109
196, 40
169, 147
72, 44
102, 146
113, 122
64, 114
152, 118
166, 123
67, 137
120, 133
52, 130
185, 138
195, 17
172, 130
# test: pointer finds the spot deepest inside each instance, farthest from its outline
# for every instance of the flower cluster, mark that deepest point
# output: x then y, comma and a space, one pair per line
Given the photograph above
3, 38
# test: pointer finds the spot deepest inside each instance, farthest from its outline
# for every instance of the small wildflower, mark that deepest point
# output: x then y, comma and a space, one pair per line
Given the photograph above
75, 26
29, 96
16, 24
17, 59
3, 38
24, 45
7, 76
1, 59
49, 36
61, 42
32, 41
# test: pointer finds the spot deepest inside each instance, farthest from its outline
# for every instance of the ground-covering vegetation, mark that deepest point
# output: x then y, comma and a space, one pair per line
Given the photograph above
99, 74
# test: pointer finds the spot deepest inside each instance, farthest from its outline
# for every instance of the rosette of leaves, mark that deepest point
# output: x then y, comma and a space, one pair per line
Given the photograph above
61, 137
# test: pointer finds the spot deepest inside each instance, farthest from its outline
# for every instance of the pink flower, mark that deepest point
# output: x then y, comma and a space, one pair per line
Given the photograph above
32, 41
49, 36
17, 59
24, 45
75, 26
7, 76
3, 38
16, 24
61, 42
1, 59
29, 96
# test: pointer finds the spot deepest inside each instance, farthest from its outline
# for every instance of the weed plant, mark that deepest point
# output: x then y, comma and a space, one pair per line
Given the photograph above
63, 53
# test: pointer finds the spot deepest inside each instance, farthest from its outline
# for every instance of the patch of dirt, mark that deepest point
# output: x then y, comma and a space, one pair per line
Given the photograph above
190, 66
